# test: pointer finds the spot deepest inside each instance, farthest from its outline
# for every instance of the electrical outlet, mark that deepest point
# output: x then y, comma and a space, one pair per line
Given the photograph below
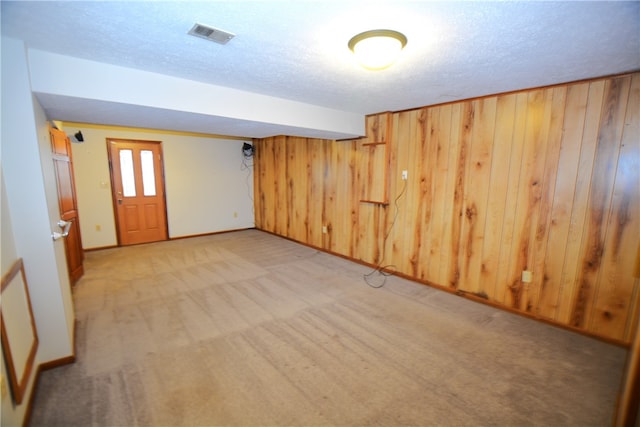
527, 276
324, 229
405, 175
98, 227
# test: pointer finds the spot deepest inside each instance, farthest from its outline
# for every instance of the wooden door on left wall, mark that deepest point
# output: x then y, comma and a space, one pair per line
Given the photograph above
63, 166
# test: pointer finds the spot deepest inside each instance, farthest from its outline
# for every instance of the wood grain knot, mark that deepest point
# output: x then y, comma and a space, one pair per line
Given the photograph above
471, 212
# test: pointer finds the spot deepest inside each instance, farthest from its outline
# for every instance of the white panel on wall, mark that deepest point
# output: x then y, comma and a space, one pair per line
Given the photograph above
93, 187
24, 199
8, 254
207, 187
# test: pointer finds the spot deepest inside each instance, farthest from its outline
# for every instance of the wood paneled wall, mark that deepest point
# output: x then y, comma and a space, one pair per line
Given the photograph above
545, 180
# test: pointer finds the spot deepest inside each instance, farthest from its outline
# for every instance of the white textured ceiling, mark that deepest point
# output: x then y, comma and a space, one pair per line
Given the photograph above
297, 50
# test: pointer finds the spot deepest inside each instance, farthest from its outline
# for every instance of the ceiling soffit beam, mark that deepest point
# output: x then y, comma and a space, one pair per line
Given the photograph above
79, 78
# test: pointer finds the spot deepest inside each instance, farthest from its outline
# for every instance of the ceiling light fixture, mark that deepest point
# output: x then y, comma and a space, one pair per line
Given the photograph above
377, 49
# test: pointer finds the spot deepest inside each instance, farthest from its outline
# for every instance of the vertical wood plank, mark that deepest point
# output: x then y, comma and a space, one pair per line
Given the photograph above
442, 137
355, 204
528, 195
448, 224
301, 198
292, 189
375, 159
370, 233
419, 188
615, 100
553, 141
478, 177
466, 128
294, 210
537, 190
634, 312
268, 188
258, 175
329, 192
340, 216
403, 147
429, 170
382, 211
498, 190
572, 255
613, 299
395, 195
377, 128
505, 282
314, 200
260, 187
373, 173
575, 113
280, 185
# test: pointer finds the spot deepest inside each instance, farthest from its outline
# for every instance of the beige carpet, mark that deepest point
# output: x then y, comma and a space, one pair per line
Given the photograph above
248, 329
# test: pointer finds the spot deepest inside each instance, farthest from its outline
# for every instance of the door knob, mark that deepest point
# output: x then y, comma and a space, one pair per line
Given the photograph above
65, 225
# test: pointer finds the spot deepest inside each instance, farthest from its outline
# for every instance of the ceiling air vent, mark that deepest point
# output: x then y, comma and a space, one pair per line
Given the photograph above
210, 33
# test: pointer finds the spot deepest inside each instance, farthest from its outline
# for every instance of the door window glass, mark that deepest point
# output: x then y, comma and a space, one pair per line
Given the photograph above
148, 174
126, 171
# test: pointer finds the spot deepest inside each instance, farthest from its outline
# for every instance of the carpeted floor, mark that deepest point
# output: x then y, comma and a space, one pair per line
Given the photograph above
248, 329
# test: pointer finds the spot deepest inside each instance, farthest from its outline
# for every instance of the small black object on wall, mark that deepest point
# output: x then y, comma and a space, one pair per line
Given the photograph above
78, 137
248, 150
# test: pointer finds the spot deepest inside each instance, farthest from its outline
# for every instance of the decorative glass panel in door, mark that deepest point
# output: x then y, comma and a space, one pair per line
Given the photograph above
126, 173
148, 175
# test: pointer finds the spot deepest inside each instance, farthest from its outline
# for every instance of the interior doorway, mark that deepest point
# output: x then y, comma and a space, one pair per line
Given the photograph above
137, 182
63, 167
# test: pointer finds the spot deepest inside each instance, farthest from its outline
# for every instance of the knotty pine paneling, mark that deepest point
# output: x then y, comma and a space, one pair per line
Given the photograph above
373, 160
546, 180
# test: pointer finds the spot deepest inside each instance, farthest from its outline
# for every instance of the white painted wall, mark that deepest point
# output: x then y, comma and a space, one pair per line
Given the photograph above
207, 188
8, 252
26, 219
11, 414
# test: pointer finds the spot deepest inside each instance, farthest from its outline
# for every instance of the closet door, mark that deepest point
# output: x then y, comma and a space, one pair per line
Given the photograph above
63, 166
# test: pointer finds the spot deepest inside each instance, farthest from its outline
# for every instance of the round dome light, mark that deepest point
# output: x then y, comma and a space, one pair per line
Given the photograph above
377, 49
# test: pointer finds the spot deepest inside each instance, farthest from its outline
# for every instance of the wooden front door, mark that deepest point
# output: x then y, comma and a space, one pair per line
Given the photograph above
137, 180
63, 166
